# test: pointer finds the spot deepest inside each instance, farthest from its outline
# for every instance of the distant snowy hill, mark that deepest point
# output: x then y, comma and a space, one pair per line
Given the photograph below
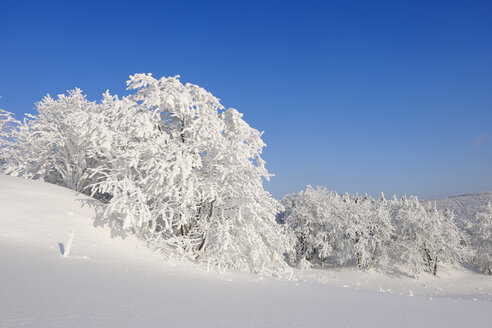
112, 280
463, 206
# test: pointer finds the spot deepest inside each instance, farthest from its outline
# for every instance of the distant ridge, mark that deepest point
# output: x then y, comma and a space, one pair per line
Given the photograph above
464, 206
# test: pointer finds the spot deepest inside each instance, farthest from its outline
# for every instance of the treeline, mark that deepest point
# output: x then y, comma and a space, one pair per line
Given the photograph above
178, 169
391, 235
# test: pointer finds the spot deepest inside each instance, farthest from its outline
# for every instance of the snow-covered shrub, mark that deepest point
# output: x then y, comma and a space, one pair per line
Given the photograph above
174, 165
480, 230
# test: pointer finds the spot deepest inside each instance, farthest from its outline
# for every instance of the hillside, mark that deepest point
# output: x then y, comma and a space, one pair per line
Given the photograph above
463, 206
112, 280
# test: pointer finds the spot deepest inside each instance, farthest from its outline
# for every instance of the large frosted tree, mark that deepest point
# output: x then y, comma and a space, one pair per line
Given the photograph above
215, 207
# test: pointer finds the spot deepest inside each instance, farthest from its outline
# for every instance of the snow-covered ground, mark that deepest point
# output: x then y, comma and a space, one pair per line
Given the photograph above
111, 280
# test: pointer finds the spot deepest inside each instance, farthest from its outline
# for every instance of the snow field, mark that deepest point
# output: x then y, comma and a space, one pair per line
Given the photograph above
111, 281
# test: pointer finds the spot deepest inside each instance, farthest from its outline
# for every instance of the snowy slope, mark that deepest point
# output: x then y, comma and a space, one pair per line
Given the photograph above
108, 281
463, 206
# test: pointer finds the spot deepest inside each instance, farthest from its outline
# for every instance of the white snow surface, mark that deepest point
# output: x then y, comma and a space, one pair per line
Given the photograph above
113, 281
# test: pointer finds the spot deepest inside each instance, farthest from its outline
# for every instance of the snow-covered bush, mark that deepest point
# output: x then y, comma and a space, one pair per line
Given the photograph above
348, 229
174, 165
480, 230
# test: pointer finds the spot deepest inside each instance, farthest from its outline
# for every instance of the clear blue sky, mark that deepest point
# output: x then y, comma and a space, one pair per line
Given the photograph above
360, 96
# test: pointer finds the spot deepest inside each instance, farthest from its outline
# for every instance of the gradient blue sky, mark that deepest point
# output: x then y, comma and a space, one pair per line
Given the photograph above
359, 96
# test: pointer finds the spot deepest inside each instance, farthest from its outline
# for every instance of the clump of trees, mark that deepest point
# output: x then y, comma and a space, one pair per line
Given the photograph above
174, 166
371, 233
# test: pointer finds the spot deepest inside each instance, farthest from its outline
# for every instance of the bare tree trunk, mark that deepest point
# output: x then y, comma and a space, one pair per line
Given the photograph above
428, 259
434, 271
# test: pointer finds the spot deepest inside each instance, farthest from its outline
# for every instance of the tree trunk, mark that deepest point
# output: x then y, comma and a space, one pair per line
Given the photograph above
209, 216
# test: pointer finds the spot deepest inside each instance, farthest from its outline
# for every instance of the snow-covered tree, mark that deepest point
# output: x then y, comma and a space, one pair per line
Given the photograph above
236, 216
189, 173
425, 237
54, 145
311, 216
371, 230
